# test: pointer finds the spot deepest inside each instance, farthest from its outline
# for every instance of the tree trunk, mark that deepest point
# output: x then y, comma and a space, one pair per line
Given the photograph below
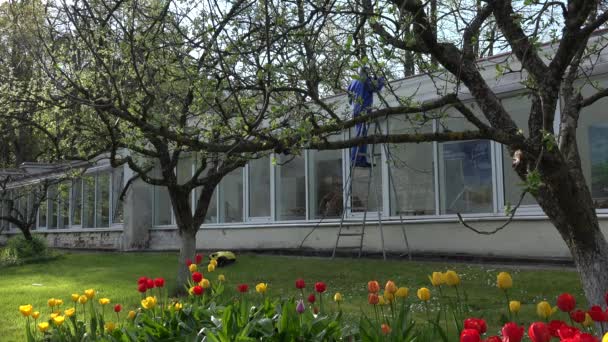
187, 250
27, 233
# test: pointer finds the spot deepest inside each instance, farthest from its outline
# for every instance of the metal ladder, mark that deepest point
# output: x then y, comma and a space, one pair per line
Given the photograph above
348, 200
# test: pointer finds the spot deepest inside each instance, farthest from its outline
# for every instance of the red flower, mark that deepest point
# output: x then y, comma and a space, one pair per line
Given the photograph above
198, 290
578, 316
197, 277
566, 302
373, 298
477, 324
188, 262
300, 284
242, 288
117, 308
511, 332
554, 326
150, 283
539, 332
585, 337
159, 282
142, 280
470, 335
311, 298
198, 258
567, 331
320, 287
596, 313
142, 287
493, 339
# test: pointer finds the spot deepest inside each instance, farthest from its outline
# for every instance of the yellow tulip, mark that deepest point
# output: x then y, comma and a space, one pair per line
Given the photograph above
83, 299
423, 294
402, 292
389, 297
191, 290
75, 297
35, 314
44, 326
104, 301
26, 310
131, 314
58, 320
452, 278
177, 306
588, 320
210, 268
193, 268
514, 306
437, 279
51, 302
110, 326
259, 288
381, 300
90, 293
213, 262
55, 314
338, 297
504, 281
221, 277
544, 310
390, 287
148, 302
205, 283
605, 338
70, 312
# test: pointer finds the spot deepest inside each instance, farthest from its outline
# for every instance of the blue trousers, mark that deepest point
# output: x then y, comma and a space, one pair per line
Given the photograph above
358, 153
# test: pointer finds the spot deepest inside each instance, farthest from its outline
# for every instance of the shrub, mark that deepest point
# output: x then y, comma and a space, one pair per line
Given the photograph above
19, 250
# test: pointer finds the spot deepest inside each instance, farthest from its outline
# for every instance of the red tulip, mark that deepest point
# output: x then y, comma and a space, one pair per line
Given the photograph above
567, 331
242, 288
188, 262
197, 277
596, 313
477, 324
586, 337
493, 339
554, 326
117, 308
578, 316
373, 298
142, 280
566, 302
511, 332
320, 287
539, 332
470, 335
150, 283
142, 287
198, 258
311, 298
300, 284
159, 282
198, 290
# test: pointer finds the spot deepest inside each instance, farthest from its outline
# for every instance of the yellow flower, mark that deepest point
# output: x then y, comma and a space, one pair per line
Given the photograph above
131, 314
26, 310
213, 262
44, 326
423, 294
210, 268
205, 283
381, 300
338, 297
605, 338
75, 297
452, 278
193, 268
437, 279
544, 309
588, 321
221, 277
389, 297
90, 293
58, 302
55, 314
504, 281
58, 320
35, 314
148, 302
514, 306
191, 290
51, 302
82, 299
390, 287
177, 306
402, 292
110, 326
70, 312
104, 301
259, 288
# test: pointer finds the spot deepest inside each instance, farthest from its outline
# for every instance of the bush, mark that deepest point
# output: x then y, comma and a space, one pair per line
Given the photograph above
18, 250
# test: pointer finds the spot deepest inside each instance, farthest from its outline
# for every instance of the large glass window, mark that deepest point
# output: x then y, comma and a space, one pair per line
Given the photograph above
117, 187
42, 214
231, 197
366, 188
88, 190
102, 201
290, 188
53, 207
77, 202
411, 171
64, 205
325, 183
162, 203
211, 216
259, 187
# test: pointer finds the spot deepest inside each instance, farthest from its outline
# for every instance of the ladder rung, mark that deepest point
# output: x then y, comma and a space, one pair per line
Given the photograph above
348, 247
351, 234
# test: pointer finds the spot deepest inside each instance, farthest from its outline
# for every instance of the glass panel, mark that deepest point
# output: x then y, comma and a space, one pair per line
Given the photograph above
325, 184
117, 186
211, 216
102, 202
64, 205
88, 191
291, 188
184, 173
77, 202
366, 189
42, 214
259, 187
231, 197
412, 171
13, 208
53, 207
162, 203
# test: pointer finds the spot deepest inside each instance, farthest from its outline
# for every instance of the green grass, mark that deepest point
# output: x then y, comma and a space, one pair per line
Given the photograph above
115, 275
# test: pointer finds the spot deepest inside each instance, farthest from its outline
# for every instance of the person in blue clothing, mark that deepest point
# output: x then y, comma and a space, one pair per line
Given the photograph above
361, 97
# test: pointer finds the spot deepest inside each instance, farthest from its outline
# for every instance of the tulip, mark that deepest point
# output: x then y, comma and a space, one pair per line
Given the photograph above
26, 310
504, 281
213, 262
554, 327
588, 320
193, 268
110, 326
205, 283
159, 282
423, 294
188, 262
51, 302
539, 332
390, 287
242, 288
596, 313
90, 293
70, 312
381, 300
386, 329
437, 279
300, 306
177, 306
142, 288
452, 278
320, 287
58, 320
150, 283
514, 306
198, 290
142, 280
210, 268
75, 297
544, 310
131, 315
493, 339
476, 324
511, 332
35, 314
83, 299
338, 297
197, 277
373, 286
117, 308
148, 302
261, 288
566, 331
389, 297
470, 335
300, 284
43, 327
578, 316
104, 301
221, 278
402, 292
55, 314
198, 258
566, 302
605, 338
373, 298
311, 298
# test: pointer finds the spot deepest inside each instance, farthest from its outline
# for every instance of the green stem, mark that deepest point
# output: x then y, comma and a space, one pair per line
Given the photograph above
508, 307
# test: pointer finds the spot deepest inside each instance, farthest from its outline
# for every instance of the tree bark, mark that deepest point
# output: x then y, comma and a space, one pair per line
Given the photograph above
187, 250
27, 234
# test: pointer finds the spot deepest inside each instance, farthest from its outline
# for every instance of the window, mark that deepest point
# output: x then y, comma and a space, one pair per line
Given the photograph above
290, 188
211, 216
117, 187
325, 184
102, 201
76, 202
162, 203
366, 182
411, 171
53, 199
88, 191
63, 206
184, 173
259, 187
42, 214
231, 197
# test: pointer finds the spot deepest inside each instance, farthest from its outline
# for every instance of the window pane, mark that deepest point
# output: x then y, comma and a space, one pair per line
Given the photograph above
259, 187
88, 191
42, 214
412, 171
77, 202
184, 173
117, 186
12, 207
291, 188
325, 183
102, 203
211, 216
162, 202
64, 205
53, 206
231, 197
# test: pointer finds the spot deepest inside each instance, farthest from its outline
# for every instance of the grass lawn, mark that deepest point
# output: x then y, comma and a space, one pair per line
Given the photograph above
115, 275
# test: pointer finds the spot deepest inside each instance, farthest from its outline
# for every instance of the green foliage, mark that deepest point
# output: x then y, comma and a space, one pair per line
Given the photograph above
19, 250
